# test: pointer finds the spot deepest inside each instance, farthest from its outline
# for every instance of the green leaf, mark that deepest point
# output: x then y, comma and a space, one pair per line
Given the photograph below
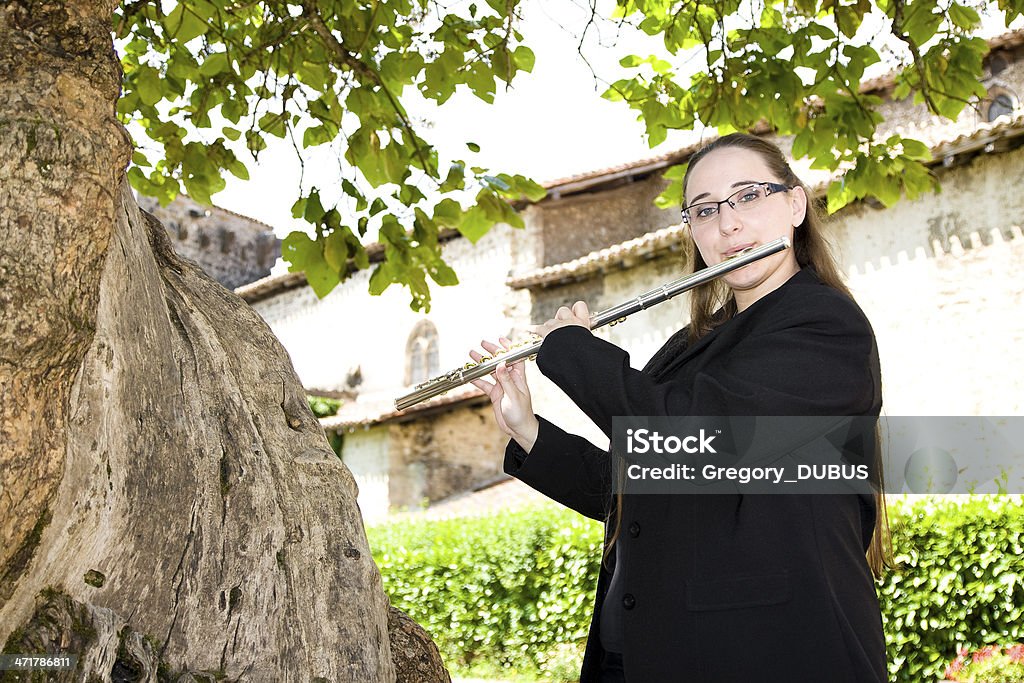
442, 274
497, 183
149, 85
481, 82
215, 64
306, 256
915, 149
392, 163
313, 210
964, 17
274, 124
238, 169
233, 110
838, 196
532, 190
523, 58
922, 21
448, 212
183, 25
336, 250
255, 142
317, 135
475, 224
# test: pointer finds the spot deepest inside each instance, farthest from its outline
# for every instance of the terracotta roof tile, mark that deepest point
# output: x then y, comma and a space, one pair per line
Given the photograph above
649, 245
381, 408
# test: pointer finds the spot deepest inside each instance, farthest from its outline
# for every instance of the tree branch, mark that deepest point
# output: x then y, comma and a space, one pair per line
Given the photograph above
915, 51
359, 67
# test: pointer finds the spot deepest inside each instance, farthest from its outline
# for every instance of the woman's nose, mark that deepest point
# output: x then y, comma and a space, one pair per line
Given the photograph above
728, 219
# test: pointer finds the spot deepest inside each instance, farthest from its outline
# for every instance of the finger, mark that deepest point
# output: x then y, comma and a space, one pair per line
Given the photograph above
490, 346
581, 311
563, 313
518, 374
506, 383
486, 387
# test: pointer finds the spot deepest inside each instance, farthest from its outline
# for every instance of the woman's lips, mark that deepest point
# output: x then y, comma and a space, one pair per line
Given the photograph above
737, 249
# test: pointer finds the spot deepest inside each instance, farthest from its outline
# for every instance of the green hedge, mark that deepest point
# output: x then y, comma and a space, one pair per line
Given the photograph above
512, 592
960, 581
502, 590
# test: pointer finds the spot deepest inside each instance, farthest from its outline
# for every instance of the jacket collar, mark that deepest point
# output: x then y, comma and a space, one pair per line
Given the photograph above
804, 276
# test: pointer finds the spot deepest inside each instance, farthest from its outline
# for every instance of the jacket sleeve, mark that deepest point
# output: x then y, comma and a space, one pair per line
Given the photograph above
811, 357
564, 467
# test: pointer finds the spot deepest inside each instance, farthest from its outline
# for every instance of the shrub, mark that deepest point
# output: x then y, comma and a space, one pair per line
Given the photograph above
513, 592
508, 589
959, 583
990, 664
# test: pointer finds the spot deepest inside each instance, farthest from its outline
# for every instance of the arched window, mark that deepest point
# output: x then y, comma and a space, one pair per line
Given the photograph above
999, 102
421, 353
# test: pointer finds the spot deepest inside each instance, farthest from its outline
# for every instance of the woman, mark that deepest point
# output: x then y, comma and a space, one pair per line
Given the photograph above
721, 587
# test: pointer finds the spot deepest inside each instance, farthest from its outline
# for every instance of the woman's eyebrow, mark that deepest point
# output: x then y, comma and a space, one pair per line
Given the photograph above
736, 184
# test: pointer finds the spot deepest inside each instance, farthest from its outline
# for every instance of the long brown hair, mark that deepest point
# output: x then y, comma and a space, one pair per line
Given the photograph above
811, 249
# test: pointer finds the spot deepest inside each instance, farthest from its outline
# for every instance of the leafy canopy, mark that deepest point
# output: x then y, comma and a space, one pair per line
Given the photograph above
205, 79
212, 71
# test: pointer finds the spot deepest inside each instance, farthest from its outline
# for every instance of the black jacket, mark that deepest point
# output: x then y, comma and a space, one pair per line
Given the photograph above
722, 588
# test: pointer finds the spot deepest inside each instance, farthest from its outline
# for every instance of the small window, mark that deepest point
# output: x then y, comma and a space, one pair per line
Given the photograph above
227, 239
1000, 102
421, 353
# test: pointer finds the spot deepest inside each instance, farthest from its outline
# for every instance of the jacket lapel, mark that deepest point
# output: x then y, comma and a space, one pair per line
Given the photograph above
660, 368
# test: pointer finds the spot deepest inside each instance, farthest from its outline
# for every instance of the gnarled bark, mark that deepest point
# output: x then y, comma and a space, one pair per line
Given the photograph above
163, 478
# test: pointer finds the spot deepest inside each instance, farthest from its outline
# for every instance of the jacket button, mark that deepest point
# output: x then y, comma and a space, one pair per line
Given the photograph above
628, 601
634, 529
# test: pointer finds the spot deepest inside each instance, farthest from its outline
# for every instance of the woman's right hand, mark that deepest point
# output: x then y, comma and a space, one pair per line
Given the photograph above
510, 396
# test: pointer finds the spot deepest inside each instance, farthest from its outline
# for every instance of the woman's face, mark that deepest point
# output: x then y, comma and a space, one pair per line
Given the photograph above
717, 176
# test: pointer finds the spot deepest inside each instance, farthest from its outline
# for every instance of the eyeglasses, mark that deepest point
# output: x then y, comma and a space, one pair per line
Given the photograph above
741, 200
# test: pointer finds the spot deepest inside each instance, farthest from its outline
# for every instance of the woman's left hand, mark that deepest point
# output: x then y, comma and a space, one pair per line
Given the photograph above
579, 314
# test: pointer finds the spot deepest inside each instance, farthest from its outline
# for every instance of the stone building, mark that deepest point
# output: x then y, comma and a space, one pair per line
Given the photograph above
940, 277
233, 249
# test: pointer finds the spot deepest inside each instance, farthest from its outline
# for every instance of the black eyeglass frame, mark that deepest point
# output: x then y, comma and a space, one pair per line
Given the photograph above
770, 188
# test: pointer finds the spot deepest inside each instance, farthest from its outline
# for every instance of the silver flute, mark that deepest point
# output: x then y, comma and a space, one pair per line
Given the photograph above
442, 383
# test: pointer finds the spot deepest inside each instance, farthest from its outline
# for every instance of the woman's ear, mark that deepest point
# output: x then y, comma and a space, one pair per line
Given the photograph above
799, 205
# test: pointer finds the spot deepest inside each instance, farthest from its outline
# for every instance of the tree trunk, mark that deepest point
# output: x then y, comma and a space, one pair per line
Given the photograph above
169, 503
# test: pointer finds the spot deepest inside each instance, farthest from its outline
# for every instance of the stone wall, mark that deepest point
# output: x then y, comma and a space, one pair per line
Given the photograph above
365, 453
579, 224
328, 337
451, 453
232, 249
942, 280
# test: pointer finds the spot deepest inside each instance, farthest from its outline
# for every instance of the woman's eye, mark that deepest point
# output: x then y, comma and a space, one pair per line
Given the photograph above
749, 196
705, 211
